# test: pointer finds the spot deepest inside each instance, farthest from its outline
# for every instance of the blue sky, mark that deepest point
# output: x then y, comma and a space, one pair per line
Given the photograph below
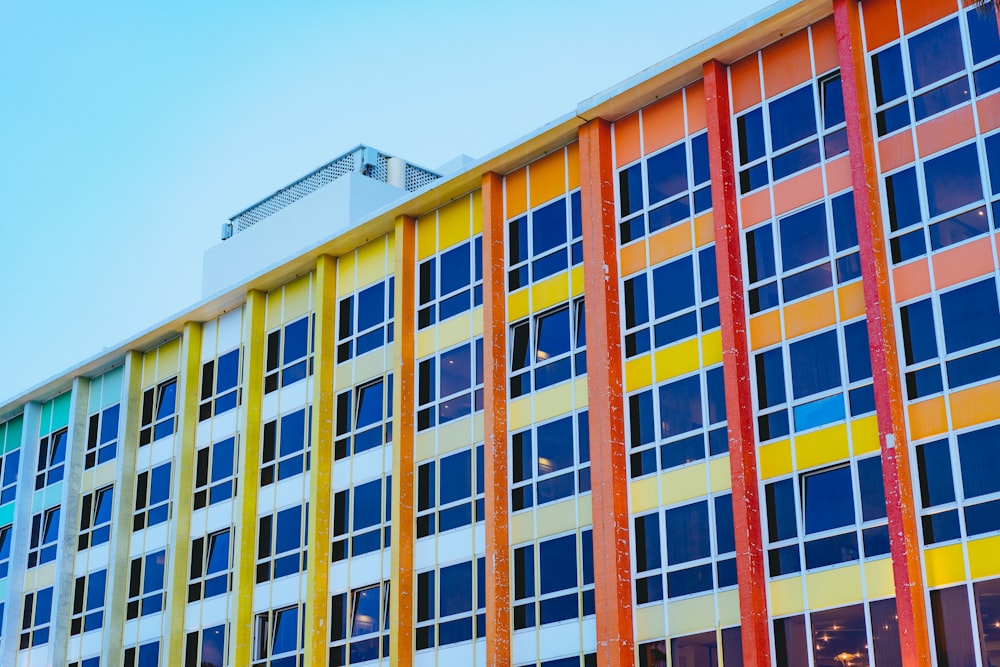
129, 131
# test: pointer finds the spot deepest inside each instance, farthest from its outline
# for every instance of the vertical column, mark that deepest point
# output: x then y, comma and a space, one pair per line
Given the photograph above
608, 464
495, 426
903, 539
121, 513
401, 585
182, 493
241, 632
736, 369
320, 469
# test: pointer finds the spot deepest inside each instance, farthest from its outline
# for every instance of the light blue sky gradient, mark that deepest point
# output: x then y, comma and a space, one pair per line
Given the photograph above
129, 131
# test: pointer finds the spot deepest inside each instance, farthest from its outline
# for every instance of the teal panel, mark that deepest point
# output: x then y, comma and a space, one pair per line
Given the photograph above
112, 392
45, 421
4, 588
7, 513
53, 495
60, 411
12, 439
37, 501
94, 400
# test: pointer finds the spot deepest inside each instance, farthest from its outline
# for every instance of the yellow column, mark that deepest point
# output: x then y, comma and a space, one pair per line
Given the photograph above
241, 634
318, 557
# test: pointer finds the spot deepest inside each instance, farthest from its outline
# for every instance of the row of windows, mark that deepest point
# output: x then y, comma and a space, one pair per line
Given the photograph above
548, 348
841, 636
700, 650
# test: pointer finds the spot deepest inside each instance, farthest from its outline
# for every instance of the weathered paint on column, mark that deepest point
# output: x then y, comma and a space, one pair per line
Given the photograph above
401, 586
321, 459
736, 370
903, 539
245, 539
608, 463
498, 635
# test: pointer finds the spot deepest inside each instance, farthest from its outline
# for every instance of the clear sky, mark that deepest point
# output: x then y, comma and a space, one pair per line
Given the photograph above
130, 131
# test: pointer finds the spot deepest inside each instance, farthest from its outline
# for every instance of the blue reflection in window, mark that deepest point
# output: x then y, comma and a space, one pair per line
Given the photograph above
978, 453
780, 500
903, 199
760, 253
815, 364
934, 474
680, 406
887, 70
673, 286
792, 117
687, 532
828, 500
557, 564
953, 180
803, 237
818, 413
750, 132
936, 53
970, 315
667, 174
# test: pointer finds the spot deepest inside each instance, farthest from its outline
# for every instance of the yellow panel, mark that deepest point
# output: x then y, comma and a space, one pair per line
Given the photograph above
477, 212
580, 393
944, 565
103, 474
371, 262
149, 369
519, 413
454, 222
371, 364
711, 348
555, 518
649, 623
522, 527
517, 305
296, 298
427, 236
426, 445
683, 484
168, 358
272, 317
553, 402
785, 596
344, 377
821, 447
691, 615
477, 321
390, 249
477, 427
585, 508
729, 607
719, 474
983, 560
345, 273
455, 435
878, 579
576, 280
426, 342
643, 495
775, 459
454, 330
833, 588
550, 292
45, 576
864, 435
638, 373
677, 360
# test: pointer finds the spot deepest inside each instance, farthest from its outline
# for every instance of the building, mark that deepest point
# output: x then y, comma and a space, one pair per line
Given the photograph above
704, 372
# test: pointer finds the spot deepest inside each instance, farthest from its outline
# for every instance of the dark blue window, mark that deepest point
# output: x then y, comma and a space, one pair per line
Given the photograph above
984, 35
872, 488
636, 301
667, 173
815, 364
647, 542
760, 253
673, 286
903, 199
936, 53
828, 500
725, 537
859, 364
629, 192
456, 589
750, 131
680, 406
953, 180
934, 474
941, 98
979, 453
803, 237
641, 418
557, 564
709, 279
917, 323
687, 533
887, 70
970, 315
770, 378
845, 226
959, 228
780, 499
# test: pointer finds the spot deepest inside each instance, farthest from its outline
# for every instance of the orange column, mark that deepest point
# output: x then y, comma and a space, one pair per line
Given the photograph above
495, 425
736, 369
608, 464
903, 539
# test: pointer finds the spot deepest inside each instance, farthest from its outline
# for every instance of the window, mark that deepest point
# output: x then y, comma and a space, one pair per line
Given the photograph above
550, 461
147, 655
9, 463
285, 448
289, 354
449, 385
278, 638
88, 602
699, 650
445, 498
51, 459
664, 188
450, 283
545, 241
44, 537
359, 625
88, 662
564, 587
548, 348
281, 539
662, 422
95, 518
210, 651
220, 379
37, 618
214, 478
6, 537
210, 557
366, 528
446, 608
159, 407
365, 320
152, 497
369, 424
145, 585
102, 437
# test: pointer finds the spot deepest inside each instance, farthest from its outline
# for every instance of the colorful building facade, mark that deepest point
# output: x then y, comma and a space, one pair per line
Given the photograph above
706, 372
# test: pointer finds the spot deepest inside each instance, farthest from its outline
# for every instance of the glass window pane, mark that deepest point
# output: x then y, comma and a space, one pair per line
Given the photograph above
804, 237
815, 364
557, 564
680, 406
828, 500
979, 453
687, 532
936, 53
673, 286
952, 627
970, 315
666, 173
953, 180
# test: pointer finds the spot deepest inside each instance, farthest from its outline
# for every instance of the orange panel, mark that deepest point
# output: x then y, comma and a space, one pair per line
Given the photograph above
704, 230
671, 242
945, 131
765, 329
744, 77
969, 260
989, 113
787, 63
824, 36
895, 151
755, 208
573, 165
547, 177
911, 280
798, 191
696, 106
809, 315
516, 192
663, 123
838, 174
852, 300
627, 147
927, 418
881, 22
976, 405
633, 258
918, 13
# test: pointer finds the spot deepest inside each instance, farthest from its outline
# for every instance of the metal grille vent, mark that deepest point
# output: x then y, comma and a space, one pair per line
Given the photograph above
416, 178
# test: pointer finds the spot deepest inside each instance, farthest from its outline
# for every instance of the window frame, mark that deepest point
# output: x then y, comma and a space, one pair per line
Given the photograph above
155, 423
102, 447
